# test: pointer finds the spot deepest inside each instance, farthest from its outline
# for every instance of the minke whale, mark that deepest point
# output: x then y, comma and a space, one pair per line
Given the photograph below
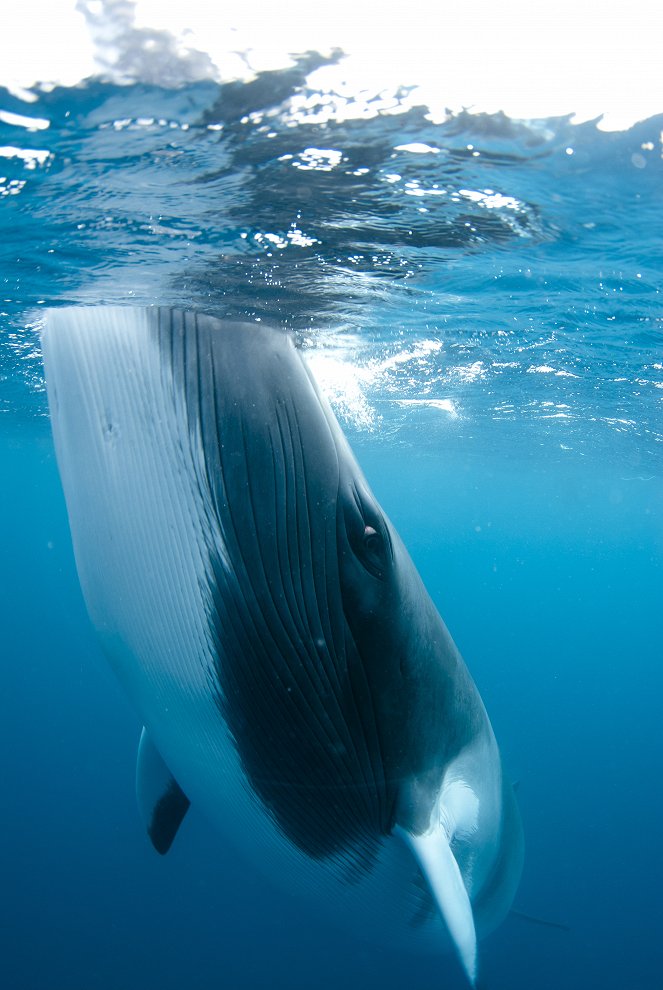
295, 681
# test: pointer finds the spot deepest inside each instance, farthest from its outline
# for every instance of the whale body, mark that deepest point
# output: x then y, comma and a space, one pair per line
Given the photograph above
293, 676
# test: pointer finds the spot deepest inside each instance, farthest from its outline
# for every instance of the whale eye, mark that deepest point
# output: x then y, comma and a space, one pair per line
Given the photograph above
372, 540
374, 552
367, 532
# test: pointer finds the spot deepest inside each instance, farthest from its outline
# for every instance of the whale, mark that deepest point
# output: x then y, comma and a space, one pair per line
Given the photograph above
295, 682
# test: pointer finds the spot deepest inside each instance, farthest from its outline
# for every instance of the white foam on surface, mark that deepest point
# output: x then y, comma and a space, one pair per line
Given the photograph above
527, 60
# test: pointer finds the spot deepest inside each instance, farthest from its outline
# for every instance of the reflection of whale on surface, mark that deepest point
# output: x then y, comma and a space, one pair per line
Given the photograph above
293, 675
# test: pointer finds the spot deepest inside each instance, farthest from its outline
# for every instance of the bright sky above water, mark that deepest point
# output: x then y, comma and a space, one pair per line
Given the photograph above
526, 59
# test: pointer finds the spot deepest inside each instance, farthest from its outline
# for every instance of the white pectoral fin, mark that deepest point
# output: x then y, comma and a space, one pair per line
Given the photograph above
439, 867
161, 801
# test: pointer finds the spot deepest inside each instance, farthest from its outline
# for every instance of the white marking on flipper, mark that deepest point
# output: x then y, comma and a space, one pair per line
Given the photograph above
437, 862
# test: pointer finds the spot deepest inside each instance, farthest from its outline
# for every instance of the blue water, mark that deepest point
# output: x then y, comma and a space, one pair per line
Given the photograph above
482, 298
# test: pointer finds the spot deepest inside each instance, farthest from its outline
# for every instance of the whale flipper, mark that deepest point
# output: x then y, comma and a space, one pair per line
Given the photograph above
161, 801
439, 867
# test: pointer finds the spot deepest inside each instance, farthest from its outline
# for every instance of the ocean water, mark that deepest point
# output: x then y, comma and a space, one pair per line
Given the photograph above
480, 297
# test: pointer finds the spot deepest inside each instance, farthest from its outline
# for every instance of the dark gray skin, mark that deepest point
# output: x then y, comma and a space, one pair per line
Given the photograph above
357, 647
418, 680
